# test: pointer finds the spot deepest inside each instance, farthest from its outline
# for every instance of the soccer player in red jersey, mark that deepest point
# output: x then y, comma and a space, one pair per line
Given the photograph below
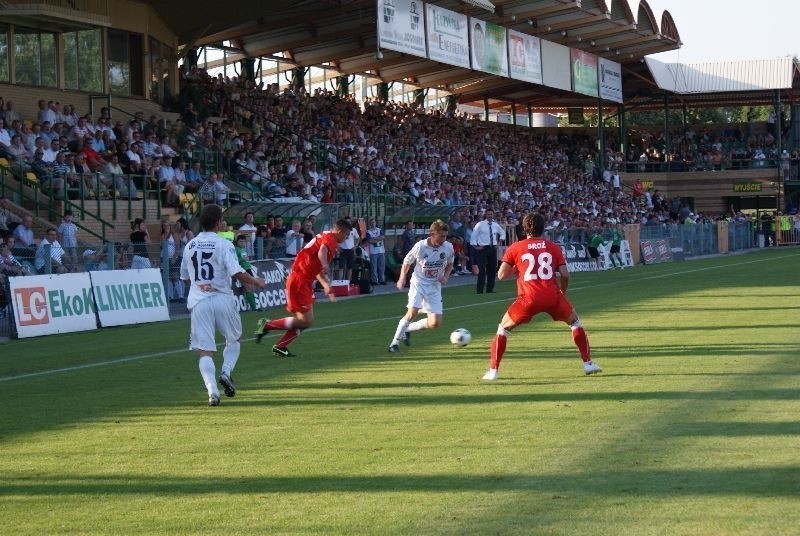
311, 263
537, 261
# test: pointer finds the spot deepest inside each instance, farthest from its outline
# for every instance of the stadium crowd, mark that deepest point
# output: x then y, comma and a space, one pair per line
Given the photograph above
323, 147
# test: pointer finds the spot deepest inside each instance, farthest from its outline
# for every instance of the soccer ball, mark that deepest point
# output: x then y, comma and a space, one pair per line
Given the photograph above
460, 337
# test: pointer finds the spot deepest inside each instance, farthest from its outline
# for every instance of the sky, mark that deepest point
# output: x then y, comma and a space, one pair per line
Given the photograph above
713, 30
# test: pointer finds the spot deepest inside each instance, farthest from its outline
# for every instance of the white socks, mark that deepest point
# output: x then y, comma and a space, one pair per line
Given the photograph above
402, 326
230, 355
209, 373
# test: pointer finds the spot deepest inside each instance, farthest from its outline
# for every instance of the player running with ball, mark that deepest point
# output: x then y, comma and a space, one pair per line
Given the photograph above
432, 261
536, 261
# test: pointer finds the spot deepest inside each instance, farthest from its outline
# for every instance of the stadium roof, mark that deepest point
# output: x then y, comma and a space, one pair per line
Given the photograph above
713, 77
342, 34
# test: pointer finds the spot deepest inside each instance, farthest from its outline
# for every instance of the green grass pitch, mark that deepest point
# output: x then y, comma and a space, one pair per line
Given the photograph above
692, 428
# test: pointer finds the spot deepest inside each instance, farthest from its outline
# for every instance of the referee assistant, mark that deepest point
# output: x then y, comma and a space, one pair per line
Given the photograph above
485, 238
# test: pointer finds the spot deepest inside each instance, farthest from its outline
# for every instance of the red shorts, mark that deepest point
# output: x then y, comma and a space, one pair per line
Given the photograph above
299, 294
525, 308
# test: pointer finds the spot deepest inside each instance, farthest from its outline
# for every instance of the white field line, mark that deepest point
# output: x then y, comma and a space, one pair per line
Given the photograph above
360, 322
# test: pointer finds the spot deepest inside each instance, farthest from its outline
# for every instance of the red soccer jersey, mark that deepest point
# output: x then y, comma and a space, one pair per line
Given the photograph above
537, 261
307, 264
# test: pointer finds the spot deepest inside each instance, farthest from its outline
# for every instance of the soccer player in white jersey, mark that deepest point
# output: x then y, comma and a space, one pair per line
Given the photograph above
209, 263
432, 260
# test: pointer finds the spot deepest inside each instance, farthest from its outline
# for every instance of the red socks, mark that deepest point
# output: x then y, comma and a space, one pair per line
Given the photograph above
279, 323
498, 349
288, 337
582, 342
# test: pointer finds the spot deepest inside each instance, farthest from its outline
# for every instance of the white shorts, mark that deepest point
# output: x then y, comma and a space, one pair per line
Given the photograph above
425, 296
217, 312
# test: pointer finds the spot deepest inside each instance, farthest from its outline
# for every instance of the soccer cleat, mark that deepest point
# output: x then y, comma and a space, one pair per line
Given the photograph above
407, 339
491, 374
393, 348
591, 368
213, 400
226, 382
261, 329
281, 352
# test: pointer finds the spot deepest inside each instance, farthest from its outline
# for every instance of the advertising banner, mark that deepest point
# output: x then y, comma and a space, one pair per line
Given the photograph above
49, 304
448, 37
129, 296
610, 80
525, 57
656, 251
401, 26
584, 72
555, 66
274, 295
489, 52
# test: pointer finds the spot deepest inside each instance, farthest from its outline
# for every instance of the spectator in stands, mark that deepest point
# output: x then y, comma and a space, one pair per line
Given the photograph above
80, 131
377, 252
140, 240
166, 179
9, 265
170, 241
11, 114
45, 112
68, 238
16, 152
139, 176
5, 139
346, 251
294, 239
249, 229
123, 183
56, 254
190, 115
8, 219
194, 177
213, 191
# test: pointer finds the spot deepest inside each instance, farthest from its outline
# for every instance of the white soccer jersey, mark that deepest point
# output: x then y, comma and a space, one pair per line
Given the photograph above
209, 261
429, 262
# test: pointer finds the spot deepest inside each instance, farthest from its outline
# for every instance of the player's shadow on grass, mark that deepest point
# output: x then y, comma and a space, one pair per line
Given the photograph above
735, 429
783, 481
493, 396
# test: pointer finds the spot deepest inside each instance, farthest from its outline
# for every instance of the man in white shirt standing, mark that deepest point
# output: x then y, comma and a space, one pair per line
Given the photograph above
56, 253
209, 263
248, 228
486, 236
432, 261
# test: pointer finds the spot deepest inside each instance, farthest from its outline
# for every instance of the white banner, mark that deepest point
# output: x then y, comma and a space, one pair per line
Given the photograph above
49, 304
401, 26
489, 52
129, 296
556, 71
610, 80
448, 39
525, 57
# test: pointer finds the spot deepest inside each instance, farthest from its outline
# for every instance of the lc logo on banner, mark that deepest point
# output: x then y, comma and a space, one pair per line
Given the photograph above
47, 304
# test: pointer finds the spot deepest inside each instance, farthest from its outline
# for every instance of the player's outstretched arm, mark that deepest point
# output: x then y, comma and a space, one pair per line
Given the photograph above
506, 270
247, 279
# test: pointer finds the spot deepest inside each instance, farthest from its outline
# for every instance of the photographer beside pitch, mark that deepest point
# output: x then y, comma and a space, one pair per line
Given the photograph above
209, 263
536, 261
